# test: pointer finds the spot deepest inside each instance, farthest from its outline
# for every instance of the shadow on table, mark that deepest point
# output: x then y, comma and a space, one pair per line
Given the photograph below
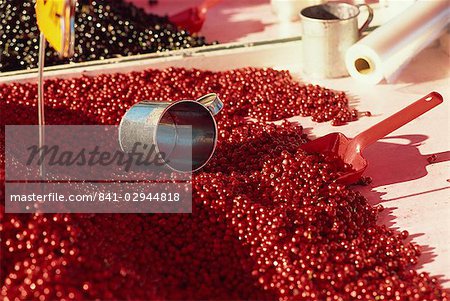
428, 255
395, 163
236, 28
387, 218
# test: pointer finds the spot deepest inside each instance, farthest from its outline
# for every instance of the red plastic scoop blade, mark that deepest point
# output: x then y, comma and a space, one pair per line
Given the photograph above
350, 150
192, 19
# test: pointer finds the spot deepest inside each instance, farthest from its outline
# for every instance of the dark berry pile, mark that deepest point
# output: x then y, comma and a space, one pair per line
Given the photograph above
103, 29
268, 221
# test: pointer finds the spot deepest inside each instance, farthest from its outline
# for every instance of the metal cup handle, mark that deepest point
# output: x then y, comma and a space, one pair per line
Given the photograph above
212, 102
369, 18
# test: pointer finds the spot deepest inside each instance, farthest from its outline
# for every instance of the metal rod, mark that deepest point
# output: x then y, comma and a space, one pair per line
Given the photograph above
40, 105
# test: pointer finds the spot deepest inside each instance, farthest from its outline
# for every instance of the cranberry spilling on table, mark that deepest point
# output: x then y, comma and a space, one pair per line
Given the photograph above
268, 221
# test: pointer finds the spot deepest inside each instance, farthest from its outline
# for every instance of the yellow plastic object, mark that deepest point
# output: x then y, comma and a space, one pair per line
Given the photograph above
55, 19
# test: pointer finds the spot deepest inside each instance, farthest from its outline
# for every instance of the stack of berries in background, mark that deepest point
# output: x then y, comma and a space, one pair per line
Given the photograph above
103, 29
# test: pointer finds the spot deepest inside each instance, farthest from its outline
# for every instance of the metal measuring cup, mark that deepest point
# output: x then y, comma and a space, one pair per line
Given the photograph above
328, 30
185, 131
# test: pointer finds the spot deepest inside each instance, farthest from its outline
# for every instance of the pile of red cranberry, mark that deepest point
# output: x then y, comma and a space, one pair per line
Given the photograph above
268, 220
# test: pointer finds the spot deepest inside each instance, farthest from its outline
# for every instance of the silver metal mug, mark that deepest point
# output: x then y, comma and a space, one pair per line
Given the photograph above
328, 30
185, 131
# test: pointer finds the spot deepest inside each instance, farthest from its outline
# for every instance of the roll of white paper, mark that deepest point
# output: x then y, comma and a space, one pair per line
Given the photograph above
384, 52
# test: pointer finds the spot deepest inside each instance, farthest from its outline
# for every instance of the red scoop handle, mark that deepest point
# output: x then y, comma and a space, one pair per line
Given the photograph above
396, 121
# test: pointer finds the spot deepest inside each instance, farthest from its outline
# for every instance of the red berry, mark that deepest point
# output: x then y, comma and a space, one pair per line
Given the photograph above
268, 220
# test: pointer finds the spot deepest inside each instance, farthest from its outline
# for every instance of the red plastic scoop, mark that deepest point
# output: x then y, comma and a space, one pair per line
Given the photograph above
192, 19
349, 150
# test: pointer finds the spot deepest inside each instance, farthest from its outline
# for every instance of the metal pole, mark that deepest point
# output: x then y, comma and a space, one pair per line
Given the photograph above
40, 104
